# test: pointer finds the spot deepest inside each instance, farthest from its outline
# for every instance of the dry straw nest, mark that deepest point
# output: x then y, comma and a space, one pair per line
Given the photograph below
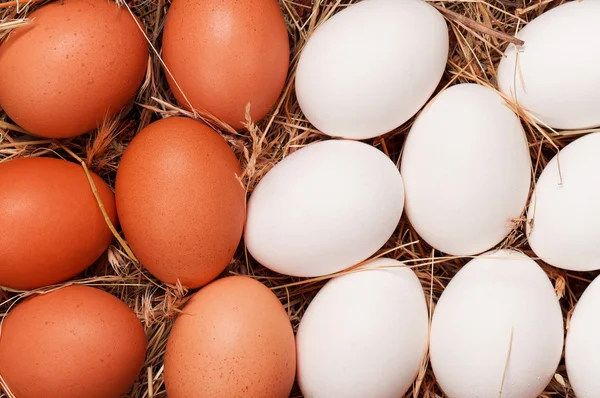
479, 31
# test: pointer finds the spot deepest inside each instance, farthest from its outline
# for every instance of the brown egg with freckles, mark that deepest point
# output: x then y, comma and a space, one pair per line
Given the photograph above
233, 339
226, 54
73, 342
51, 226
77, 64
180, 201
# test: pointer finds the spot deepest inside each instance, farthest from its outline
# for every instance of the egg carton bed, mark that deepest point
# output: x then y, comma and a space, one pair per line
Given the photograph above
479, 32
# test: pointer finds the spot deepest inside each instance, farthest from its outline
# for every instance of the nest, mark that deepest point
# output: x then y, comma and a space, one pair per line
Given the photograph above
479, 32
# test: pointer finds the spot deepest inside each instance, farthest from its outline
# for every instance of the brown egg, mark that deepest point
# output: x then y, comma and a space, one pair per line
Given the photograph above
78, 63
51, 226
226, 54
71, 343
233, 339
180, 201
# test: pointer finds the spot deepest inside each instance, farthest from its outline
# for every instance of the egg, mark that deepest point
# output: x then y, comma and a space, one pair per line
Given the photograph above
180, 201
563, 217
326, 207
364, 334
232, 339
497, 327
563, 93
582, 349
362, 82
223, 55
77, 64
466, 170
52, 226
73, 342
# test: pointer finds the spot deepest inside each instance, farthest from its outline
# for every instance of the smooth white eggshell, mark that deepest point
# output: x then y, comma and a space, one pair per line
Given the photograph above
582, 349
491, 298
466, 170
364, 334
326, 207
555, 75
371, 67
564, 213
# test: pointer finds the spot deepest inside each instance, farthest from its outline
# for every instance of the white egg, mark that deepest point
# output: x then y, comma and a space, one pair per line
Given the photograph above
497, 327
371, 67
466, 170
582, 350
364, 334
326, 207
564, 213
555, 75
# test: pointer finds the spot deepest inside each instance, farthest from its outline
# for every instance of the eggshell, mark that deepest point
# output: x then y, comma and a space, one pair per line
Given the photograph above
233, 339
563, 217
564, 93
78, 63
326, 207
180, 201
371, 67
52, 227
466, 170
364, 334
73, 342
498, 318
582, 351
226, 54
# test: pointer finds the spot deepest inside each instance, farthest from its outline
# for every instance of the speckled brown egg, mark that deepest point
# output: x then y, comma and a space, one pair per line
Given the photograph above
51, 226
226, 54
233, 339
75, 65
74, 342
180, 201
